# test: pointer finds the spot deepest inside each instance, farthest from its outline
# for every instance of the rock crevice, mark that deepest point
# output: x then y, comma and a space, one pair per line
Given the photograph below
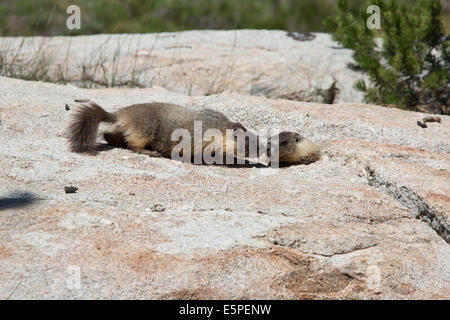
410, 199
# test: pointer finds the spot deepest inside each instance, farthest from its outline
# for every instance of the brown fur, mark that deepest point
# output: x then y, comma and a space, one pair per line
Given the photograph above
146, 128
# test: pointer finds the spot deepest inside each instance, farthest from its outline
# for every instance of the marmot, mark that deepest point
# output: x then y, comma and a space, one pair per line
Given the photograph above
292, 149
148, 129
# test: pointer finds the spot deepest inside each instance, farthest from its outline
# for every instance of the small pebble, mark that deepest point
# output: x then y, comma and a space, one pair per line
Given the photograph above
70, 189
67, 107
421, 124
157, 208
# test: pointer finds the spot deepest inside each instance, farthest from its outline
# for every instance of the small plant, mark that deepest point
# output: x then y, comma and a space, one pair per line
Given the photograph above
410, 66
31, 64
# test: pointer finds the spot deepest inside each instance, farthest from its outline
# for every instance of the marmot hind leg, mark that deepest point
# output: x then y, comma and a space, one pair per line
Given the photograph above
139, 143
115, 138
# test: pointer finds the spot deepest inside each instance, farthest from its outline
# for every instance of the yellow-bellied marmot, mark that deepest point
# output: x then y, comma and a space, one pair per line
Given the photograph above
148, 129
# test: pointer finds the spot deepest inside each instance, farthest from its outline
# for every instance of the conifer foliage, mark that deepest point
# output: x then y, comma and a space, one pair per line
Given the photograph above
410, 66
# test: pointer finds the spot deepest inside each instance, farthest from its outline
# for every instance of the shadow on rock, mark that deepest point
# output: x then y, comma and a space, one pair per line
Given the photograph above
104, 147
17, 199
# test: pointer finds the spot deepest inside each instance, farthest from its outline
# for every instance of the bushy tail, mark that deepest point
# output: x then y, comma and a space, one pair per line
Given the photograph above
84, 126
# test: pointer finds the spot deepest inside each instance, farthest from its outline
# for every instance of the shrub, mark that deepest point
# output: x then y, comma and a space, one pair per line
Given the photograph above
410, 66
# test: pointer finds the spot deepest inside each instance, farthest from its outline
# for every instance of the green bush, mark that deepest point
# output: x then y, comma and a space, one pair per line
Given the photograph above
411, 68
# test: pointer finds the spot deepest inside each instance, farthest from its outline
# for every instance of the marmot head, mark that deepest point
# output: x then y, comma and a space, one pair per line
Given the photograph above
292, 148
